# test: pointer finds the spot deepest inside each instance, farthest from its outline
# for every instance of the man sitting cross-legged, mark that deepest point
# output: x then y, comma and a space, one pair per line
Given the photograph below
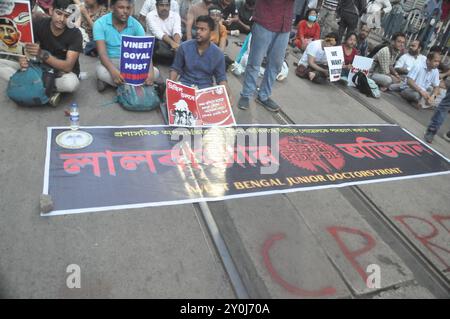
57, 48
423, 82
108, 31
200, 63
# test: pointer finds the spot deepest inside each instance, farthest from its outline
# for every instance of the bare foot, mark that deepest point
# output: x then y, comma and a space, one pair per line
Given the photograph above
383, 89
311, 75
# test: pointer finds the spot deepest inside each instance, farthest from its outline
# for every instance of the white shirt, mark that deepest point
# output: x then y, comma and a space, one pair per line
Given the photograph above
408, 61
158, 27
314, 49
423, 77
150, 5
377, 5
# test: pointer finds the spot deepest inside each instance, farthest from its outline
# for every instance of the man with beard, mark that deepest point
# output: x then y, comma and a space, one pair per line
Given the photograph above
195, 11
9, 38
165, 25
57, 48
108, 31
363, 44
408, 60
200, 63
406, 63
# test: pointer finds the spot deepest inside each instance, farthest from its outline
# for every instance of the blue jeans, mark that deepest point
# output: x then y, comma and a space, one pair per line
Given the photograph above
440, 114
264, 43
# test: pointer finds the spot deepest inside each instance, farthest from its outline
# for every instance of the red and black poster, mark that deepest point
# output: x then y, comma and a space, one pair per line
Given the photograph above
189, 107
141, 166
16, 27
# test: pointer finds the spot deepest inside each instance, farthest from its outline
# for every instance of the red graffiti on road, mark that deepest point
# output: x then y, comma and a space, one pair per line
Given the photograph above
327, 291
425, 239
349, 254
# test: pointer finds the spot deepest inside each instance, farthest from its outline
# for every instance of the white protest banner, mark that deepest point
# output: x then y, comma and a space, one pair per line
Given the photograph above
335, 60
362, 64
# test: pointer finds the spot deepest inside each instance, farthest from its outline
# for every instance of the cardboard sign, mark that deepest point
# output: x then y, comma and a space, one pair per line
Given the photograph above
187, 106
335, 60
135, 58
214, 106
16, 27
360, 63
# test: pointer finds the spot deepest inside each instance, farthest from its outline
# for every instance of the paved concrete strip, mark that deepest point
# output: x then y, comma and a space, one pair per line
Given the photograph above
276, 254
350, 242
141, 253
423, 216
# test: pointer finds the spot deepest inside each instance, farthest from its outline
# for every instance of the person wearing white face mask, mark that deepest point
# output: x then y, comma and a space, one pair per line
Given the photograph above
308, 30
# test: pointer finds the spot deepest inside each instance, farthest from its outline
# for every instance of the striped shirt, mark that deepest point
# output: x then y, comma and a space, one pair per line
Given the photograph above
330, 4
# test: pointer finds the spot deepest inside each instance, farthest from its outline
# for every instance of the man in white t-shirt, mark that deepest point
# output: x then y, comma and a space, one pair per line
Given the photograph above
150, 5
165, 26
313, 63
422, 86
406, 62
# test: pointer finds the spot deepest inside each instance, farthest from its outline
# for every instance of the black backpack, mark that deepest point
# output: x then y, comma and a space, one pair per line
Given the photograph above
377, 48
365, 85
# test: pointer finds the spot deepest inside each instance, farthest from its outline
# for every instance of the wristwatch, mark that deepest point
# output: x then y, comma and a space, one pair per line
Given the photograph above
44, 55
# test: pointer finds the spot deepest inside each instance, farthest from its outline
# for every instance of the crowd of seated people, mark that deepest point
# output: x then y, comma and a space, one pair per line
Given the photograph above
192, 37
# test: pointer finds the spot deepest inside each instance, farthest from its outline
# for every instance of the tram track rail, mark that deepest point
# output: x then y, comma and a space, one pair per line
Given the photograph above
425, 272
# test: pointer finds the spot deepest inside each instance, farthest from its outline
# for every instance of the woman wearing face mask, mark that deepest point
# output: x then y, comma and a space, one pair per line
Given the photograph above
308, 30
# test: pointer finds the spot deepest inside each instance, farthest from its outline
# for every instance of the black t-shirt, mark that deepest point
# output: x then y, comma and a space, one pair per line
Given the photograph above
70, 40
245, 15
230, 9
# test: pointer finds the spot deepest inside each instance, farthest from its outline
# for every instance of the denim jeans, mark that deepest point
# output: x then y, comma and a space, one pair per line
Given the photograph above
264, 43
440, 114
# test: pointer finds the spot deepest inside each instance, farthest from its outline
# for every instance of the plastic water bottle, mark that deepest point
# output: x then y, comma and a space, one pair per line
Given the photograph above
74, 117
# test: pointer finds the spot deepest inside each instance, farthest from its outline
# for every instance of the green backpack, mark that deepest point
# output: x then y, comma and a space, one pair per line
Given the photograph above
137, 98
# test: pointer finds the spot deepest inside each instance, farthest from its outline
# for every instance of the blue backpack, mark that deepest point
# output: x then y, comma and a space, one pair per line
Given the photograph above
137, 98
27, 87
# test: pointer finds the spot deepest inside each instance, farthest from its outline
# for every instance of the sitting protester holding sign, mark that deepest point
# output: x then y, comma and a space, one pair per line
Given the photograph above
108, 31
313, 63
199, 62
57, 49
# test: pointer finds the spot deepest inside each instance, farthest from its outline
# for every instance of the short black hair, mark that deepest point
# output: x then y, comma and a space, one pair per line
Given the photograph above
332, 35
6, 21
349, 35
61, 4
208, 20
113, 2
435, 48
158, 1
309, 11
397, 35
432, 55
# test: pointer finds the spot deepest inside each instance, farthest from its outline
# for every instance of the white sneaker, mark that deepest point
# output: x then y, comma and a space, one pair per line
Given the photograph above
235, 33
